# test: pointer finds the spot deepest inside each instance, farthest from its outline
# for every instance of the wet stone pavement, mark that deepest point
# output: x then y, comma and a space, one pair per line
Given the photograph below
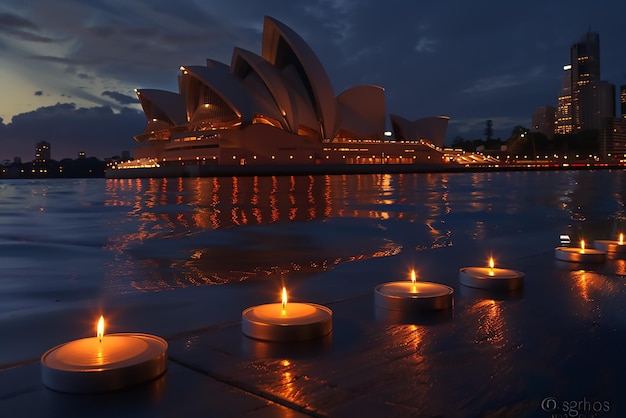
554, 347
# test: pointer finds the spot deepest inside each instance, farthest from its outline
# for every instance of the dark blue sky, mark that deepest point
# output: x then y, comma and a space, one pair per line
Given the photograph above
69, 67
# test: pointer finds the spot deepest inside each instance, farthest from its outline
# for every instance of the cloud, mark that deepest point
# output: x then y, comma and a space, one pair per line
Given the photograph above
98, 131
504, 81
20, 28
493, 83
120, 98
8, 20
425, 44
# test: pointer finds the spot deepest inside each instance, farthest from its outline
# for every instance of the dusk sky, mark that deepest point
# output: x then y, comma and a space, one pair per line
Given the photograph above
69, 67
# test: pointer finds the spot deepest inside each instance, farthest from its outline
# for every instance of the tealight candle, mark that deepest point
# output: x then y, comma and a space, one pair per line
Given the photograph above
579, 255
413, 295
287, 321
491, 277
104, 363
611, 246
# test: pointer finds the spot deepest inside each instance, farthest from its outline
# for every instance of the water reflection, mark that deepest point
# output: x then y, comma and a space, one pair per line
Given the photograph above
193, 231
590, 286
188, 208
491, 324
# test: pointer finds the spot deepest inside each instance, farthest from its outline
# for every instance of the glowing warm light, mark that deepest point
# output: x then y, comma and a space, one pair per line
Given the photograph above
491, 265
621, 239
413, 279
100, 328
284, 298
582, 245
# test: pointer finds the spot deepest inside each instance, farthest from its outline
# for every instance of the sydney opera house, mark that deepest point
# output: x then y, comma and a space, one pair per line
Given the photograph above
274, 112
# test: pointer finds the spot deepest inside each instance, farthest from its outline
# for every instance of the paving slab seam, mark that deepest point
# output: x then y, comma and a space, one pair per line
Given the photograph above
4, 367
201, 330
251, 390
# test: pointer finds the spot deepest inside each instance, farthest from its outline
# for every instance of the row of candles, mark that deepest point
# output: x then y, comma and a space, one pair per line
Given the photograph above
114, 361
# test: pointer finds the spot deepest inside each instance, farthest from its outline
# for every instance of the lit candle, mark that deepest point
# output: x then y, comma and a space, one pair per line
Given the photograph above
611, 246
491, 277
104, 362
580, 255
286, 321
413, 295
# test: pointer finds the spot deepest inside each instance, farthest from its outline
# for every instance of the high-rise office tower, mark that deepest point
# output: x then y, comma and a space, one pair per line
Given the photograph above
585, 62
597, 101
564, 107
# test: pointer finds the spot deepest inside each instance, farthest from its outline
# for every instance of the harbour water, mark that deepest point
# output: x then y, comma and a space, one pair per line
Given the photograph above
68, 242
63, 238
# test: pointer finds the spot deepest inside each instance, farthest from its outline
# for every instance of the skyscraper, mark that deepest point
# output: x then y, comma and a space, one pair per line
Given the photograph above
585, 69
564, 107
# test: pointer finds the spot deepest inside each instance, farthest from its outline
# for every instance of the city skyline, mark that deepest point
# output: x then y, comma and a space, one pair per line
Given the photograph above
70, 81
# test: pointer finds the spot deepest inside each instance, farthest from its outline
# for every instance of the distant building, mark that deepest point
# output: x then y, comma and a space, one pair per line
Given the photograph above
42, 151
585, 69
622, 100
585, 100
598, 103
613, 138
564, 109
81, 154
543, 121
277, 108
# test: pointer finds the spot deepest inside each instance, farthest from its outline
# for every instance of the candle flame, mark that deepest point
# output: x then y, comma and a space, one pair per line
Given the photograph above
100, 328
413, 276
582, 245
284, 297
621, 239
491, 265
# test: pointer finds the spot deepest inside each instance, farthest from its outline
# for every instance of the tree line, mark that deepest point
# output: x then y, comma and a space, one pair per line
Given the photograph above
522, 141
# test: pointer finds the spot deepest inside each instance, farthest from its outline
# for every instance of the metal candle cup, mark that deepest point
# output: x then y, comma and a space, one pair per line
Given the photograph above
104, 363
580, 255
491, 277
284, 322
611, 246
413, 295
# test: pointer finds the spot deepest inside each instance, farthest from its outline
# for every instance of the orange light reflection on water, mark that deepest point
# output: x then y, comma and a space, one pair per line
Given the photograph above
177, 207
491, 327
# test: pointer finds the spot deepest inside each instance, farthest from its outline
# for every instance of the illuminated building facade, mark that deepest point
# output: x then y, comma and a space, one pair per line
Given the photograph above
585, 69
564, 123
278, 108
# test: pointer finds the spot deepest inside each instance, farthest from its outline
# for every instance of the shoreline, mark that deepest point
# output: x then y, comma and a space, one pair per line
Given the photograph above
176, 171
